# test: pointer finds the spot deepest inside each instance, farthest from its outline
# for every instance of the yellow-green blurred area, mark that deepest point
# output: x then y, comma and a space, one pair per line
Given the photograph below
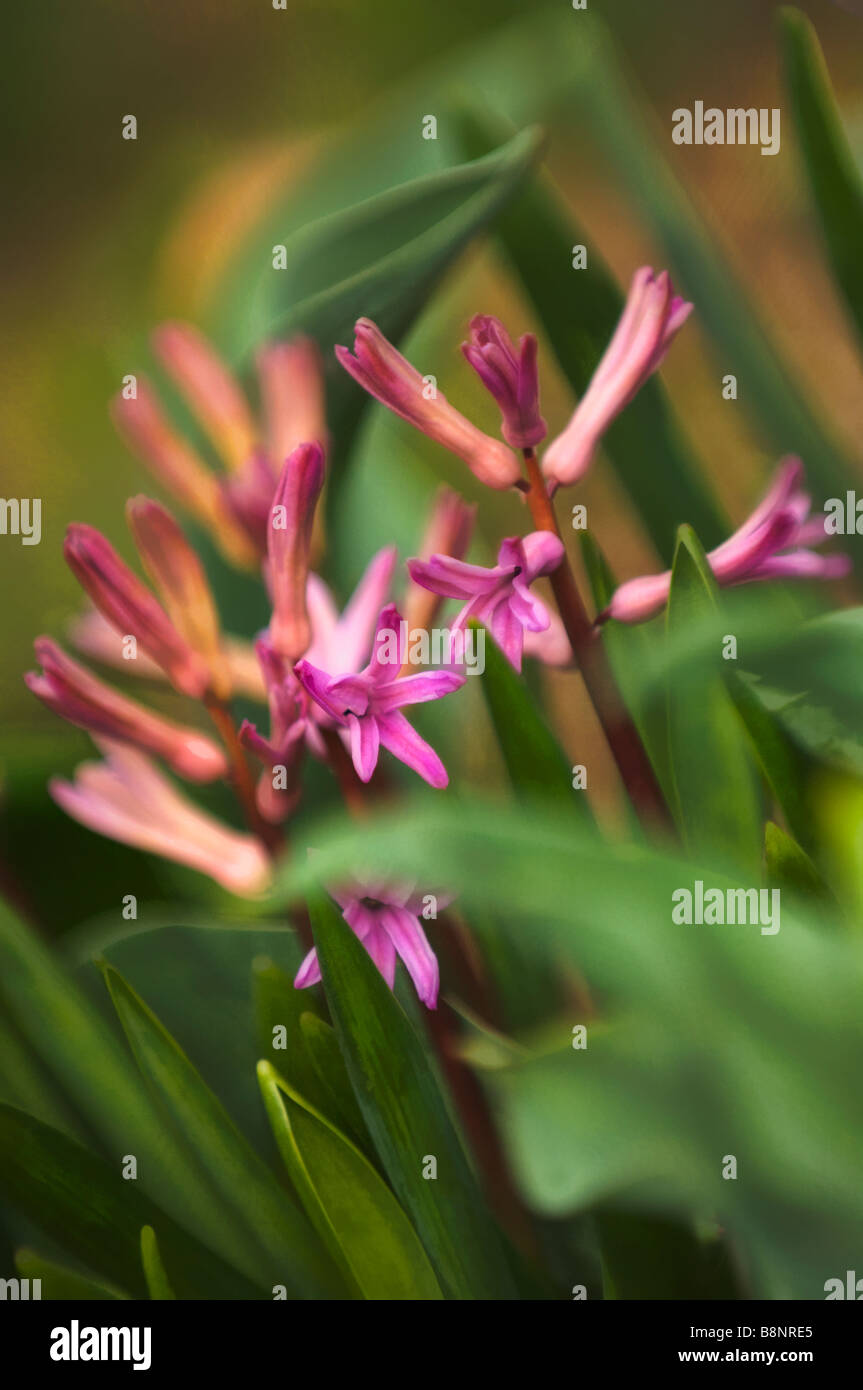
236, 102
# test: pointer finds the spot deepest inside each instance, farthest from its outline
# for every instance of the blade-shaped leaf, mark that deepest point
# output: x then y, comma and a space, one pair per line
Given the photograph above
277, 1238
834, 177
348, 1203
59, 1284
407, 1117
158, 1284
87, 1207
716, 792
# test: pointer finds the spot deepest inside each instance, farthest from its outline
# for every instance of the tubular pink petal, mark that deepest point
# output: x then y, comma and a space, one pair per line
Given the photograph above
409, 940
292, 395
289, 544
401, 739
382, 371
209, 388
178, 574
131, 609
510, 376
309, 972
365, 743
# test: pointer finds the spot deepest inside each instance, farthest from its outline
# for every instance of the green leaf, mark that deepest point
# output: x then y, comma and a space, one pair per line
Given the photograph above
380, 259
535, 761
834, 177
60, 1284
329, 1065
274, 1238
407, 1116
94, 1075
714, 1040
782, 764
352, 1209
789, 867
646, 1256
579, 311
88, 1208
158, 1283
716, 792
617, 120
278, 1010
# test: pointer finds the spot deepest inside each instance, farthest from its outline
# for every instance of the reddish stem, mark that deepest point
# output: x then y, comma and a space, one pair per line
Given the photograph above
240, 775
587, 648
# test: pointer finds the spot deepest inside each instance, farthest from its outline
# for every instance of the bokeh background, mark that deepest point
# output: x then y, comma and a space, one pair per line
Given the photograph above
236, 102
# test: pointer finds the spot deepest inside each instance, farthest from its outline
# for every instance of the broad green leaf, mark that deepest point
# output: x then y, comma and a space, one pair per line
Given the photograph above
380, 259
834, 176
407, 1116
278, 1035
158, 1284
579, 311
273, 1236
615, 118
719, 815
350, 1206
60, 1284
646, 1256
714, 1040
537, 766
89, 1209
782, 764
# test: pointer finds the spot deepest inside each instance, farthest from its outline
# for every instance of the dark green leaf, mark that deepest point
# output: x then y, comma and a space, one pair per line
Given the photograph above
158, 1283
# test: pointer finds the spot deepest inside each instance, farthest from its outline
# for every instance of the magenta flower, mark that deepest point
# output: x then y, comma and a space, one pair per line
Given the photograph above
498, 597
289, 543
128, 799
132, 610
386, 921
369, 704
772, 544
382, 371
652, 315
511, 377
77, 695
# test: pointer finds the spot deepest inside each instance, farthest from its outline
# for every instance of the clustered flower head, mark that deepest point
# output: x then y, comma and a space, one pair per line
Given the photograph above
334, 685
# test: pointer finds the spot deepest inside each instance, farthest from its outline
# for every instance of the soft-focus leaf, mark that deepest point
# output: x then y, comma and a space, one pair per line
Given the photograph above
717, 801
158, 1284
535, 761
407, 1116
89, 1209
271, 1234
834, 177
61, 1284
789, 867
350, 1206
329, 1065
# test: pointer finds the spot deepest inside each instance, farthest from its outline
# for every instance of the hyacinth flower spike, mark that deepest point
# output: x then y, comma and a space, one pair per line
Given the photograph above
773, 543
76, 694
652, 316
368, 705
499, 596
388, 376
126, 798
385, 918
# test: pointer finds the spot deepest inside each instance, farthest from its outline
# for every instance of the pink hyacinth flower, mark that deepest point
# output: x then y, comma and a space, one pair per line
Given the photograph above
382, 371
511, 376
773, 543
130, 608
284, 747
499, 597
77, 695
289, 542
369, 704
651, 317
126, 798
386, 921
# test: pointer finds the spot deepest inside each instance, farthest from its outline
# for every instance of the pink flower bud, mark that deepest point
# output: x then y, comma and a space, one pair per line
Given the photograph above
652, 315
289, 542
511, 377
210, 389
382, 371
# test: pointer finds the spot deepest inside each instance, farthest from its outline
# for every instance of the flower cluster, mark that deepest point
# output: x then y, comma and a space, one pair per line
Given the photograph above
329, 681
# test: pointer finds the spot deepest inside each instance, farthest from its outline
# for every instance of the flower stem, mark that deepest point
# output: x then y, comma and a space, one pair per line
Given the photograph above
240, 774
587, 648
